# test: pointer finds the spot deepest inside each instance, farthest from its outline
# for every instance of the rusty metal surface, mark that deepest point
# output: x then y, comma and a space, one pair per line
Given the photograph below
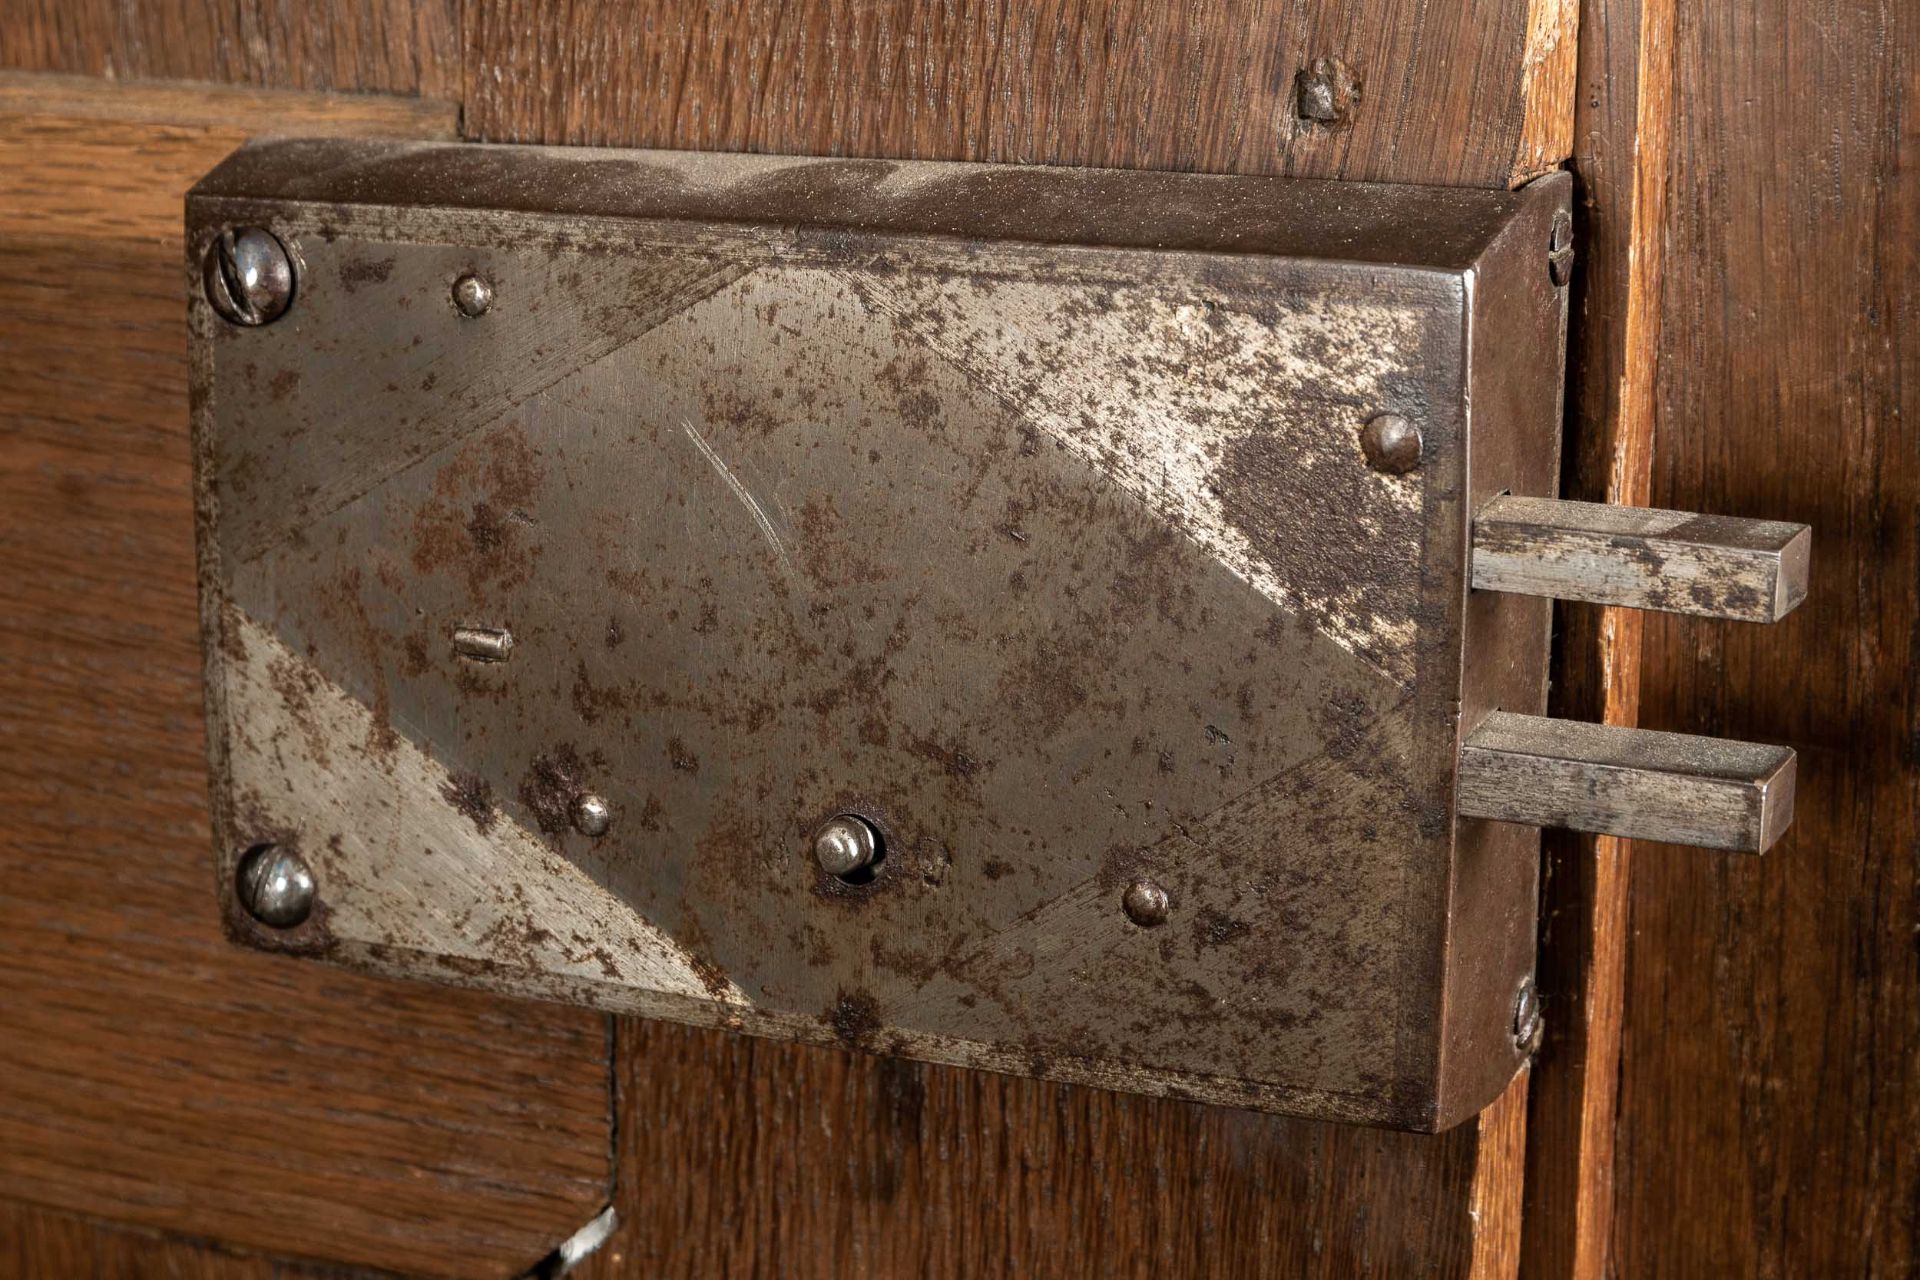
926, 493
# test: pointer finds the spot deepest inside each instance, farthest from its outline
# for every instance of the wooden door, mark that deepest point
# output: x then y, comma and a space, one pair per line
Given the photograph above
169, 1105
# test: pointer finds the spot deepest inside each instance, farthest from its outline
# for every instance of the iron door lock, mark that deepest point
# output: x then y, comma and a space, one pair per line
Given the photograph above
1085, 624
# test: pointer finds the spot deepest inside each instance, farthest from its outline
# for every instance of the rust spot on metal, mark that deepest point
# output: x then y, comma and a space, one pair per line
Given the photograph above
698, 954
475, 524
356, 271
650, 815
1212, 928
681, 758
296, 684
952, 758
233, 645
472, 795
484, 530
553, 781
592, 701
855, 1019
416, 658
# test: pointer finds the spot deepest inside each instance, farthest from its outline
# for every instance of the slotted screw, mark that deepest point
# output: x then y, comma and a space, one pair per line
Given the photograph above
249, 276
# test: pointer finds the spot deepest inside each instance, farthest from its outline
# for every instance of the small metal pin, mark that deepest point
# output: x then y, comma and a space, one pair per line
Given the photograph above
1391, 443
473, 295
248, 276
592, 815
275, 886
1145, 903
846, 845
483, 644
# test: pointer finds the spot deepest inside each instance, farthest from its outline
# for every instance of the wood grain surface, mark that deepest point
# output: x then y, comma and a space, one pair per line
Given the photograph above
42, 1243
236, 111
372, 46
748, 1157
1452, 92
149, 1072
1770, 1084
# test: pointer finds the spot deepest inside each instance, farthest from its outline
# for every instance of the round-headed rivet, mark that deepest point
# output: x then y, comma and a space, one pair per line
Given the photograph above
473, 296
846, 845
249, 276
1145, 903
1529, 1027
275, 886
592, 815
1391, 443
1560, 248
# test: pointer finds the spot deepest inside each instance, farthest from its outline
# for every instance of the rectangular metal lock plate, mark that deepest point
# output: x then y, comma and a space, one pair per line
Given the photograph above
581, 531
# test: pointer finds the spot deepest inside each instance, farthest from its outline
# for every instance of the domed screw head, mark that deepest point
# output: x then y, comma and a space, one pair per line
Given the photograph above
275, 886
846, 845
473, 296
592, 815
1391, 443
249, 276
1145, 903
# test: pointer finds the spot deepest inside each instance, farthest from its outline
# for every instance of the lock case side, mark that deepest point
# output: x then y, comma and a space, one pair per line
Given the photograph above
1516, 390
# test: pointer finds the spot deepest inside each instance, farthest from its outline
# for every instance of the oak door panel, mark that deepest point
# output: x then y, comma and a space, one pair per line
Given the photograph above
749, 1157
1452, 92
1770, 1083
372, 46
